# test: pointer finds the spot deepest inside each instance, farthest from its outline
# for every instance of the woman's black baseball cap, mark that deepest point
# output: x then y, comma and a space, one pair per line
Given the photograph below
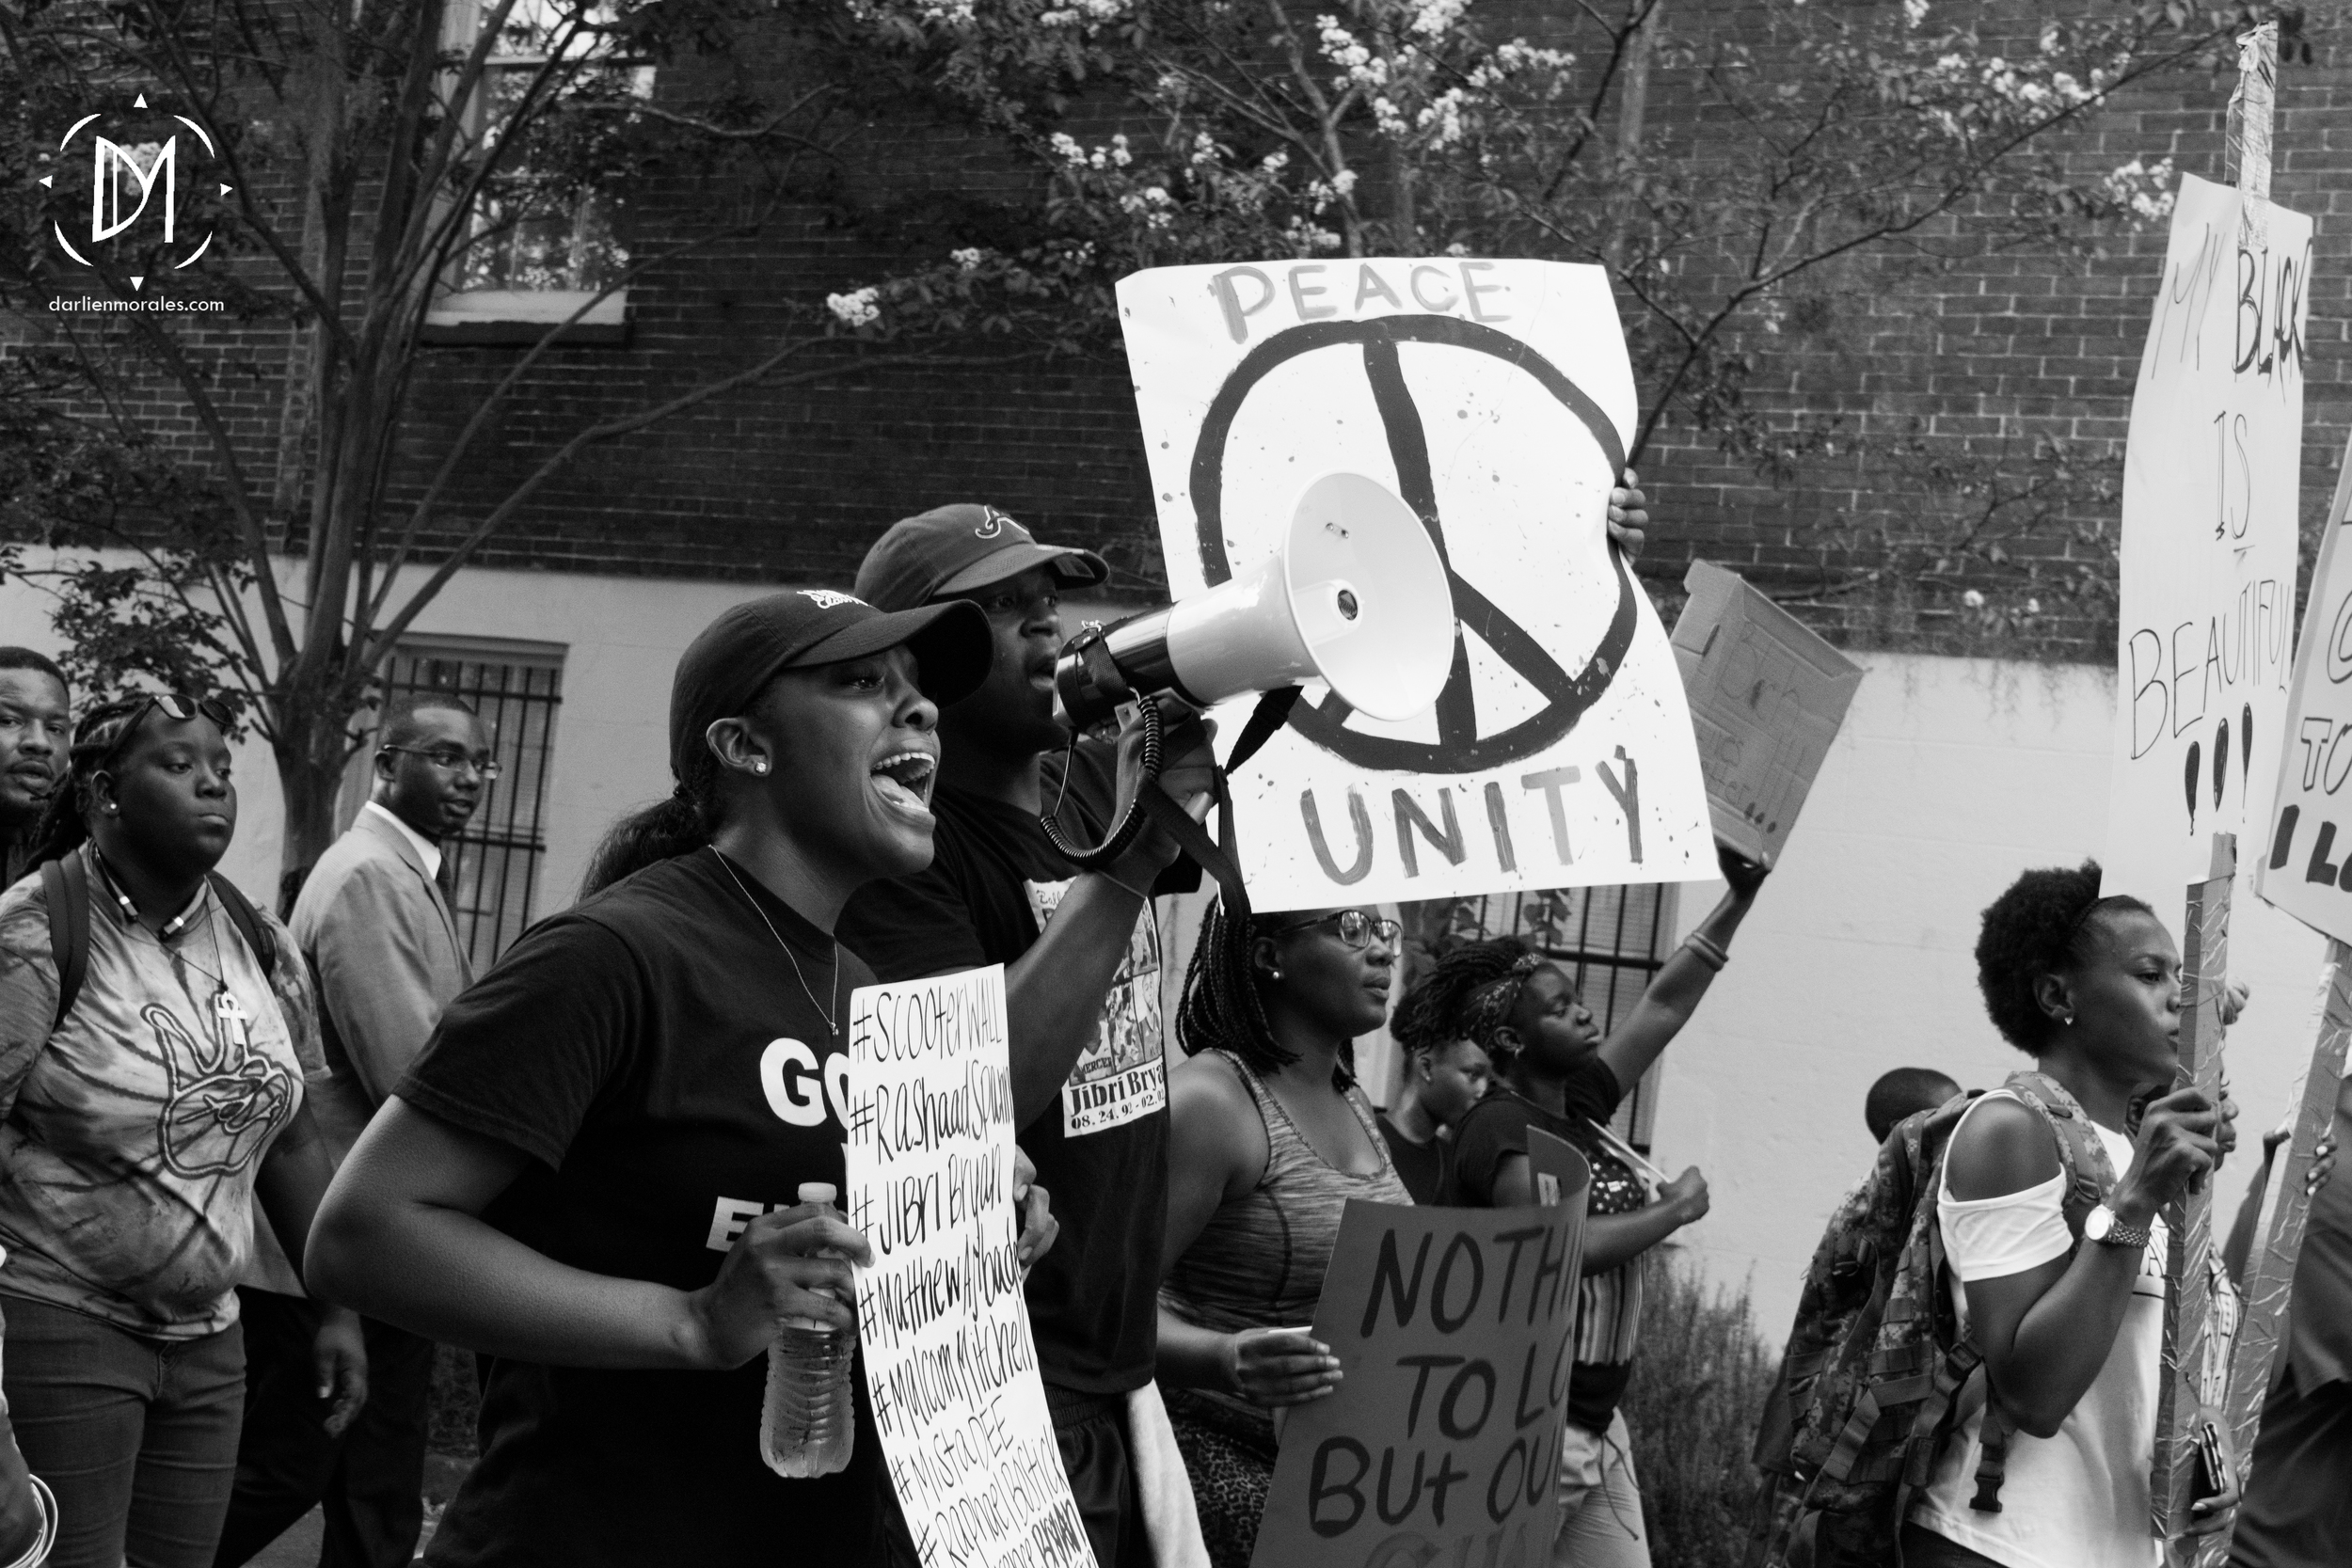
748, 645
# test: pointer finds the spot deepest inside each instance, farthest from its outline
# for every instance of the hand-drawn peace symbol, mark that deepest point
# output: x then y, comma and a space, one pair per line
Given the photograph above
1459, 746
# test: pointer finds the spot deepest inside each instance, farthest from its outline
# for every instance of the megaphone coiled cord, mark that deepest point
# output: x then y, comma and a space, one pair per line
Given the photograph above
1130, 818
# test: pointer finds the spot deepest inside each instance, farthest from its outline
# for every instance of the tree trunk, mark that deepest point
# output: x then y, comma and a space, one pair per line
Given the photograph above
311, 753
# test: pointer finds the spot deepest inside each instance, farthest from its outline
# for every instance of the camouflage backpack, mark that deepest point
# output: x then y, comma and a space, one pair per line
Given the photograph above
1877, 1365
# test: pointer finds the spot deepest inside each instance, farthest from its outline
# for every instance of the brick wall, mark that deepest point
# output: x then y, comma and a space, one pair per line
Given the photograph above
1938, 367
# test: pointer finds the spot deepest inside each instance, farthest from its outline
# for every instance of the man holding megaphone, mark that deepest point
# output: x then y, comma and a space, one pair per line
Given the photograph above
1082, 970
1082, 975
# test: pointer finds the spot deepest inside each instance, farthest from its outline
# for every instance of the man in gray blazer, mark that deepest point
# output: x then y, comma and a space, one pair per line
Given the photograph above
374, 921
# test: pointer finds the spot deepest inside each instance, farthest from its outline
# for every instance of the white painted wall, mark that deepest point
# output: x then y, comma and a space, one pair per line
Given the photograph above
622, 638
1950, 778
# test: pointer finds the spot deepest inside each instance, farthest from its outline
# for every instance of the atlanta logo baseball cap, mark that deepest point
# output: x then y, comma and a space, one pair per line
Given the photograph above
959, 550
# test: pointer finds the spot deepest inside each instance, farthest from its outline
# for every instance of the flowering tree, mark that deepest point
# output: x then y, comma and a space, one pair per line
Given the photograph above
1805, 136
1722, 163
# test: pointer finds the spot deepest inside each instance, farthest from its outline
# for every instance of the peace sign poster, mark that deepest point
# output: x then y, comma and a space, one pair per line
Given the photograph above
1494, 399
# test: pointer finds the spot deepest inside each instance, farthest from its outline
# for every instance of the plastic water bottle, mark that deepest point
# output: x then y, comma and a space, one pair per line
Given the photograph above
809, 1420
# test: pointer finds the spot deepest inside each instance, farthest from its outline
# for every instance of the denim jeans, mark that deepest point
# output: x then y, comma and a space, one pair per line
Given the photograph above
371, 1479
138, 1437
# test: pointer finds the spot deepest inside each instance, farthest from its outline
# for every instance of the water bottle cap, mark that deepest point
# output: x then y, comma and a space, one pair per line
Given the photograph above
818, 1192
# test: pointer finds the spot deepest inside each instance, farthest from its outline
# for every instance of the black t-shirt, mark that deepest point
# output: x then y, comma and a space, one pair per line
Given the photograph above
1422, 1167
658, 1060
1609, 1305
1101, 1148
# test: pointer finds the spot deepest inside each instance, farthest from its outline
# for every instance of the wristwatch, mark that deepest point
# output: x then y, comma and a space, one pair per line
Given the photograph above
2104, 1225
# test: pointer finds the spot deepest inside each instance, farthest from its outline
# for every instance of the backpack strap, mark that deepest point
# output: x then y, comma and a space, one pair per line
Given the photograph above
2089, 1176
248, 920
2082, 1158
65, 887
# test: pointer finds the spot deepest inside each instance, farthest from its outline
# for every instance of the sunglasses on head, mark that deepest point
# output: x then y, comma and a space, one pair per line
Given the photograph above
175, 705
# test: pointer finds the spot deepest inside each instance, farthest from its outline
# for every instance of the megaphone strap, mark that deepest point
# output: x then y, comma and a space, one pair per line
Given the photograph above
1212, 856
1265, 722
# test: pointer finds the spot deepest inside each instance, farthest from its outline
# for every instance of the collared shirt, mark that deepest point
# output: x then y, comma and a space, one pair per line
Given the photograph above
426, 850
129, 1137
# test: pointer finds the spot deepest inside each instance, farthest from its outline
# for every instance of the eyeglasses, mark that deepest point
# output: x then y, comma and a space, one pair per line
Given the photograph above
175, 705
1357, 929
449, 759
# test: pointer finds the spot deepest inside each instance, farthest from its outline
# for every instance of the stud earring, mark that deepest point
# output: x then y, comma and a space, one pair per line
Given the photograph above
2067, 1018
1274, 974
760, 765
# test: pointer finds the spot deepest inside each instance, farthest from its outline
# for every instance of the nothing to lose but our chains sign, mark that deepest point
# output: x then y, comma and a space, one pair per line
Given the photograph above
1494, 399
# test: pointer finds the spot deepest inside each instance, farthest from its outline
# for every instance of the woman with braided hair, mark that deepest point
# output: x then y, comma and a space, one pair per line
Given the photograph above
159, 1043
1269, 1137
1558, 1072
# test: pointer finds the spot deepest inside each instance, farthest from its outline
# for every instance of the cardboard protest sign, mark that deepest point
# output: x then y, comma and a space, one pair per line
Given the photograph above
1441, 1443
1767, 697
1494, 399
2210, 476
2286, 1207
1560, 1170
950, 1362
2304, 869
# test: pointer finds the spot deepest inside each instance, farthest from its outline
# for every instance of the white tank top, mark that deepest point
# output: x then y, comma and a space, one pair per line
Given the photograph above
2079, 1498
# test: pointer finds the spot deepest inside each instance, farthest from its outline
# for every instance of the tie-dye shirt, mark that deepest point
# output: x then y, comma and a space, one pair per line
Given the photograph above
128, 1138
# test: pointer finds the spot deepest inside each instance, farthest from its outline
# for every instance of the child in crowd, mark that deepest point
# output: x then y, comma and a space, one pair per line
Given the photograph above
1560, 1073
1443, 1078
1904, 1092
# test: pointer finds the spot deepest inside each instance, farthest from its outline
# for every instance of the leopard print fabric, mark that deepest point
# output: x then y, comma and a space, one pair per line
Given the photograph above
1230, 1456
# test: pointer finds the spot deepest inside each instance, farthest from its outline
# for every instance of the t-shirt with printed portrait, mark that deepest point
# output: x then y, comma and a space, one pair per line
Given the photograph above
1101, 1149
664, 1065
129, 1137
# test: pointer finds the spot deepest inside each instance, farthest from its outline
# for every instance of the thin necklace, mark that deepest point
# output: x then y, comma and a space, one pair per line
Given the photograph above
832, 991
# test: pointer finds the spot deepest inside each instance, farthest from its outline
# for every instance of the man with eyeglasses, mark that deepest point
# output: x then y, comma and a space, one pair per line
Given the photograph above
374, 922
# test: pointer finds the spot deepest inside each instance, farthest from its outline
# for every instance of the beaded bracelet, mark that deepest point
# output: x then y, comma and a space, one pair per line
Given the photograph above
1707, 950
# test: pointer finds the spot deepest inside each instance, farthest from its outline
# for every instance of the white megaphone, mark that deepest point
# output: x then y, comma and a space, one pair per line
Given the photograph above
1357, 596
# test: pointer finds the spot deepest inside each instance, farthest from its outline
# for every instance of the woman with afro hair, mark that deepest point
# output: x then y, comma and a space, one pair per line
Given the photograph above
2071, 1325
1557, 1071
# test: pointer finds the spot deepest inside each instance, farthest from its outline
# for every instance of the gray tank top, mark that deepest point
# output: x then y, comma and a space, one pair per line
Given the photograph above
1260, 1262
